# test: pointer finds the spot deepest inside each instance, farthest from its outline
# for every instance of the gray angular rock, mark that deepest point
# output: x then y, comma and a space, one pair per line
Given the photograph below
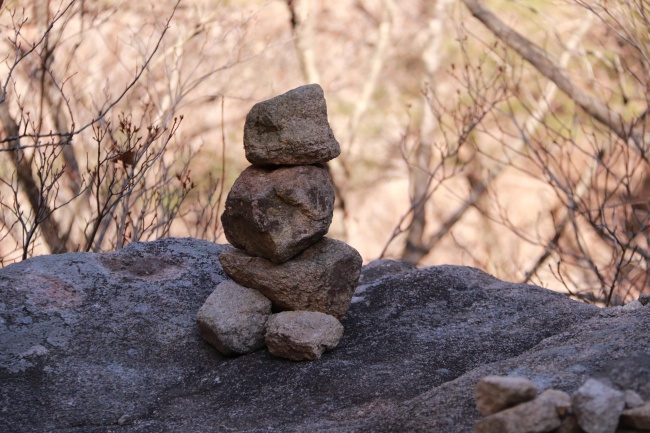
277, 213
495, 393
638, 417
632, 399
302, 335
536, 416
598, 407
233, 319
290, 129
321, 278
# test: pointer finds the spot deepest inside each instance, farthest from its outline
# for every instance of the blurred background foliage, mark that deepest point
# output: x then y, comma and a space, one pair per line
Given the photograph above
507, 135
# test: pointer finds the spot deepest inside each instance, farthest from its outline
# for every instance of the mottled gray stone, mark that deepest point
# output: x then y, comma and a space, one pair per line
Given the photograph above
536, 416
233, 319
598, 407
495, 393
277, 213
290, 129
644, 299
560, 399
302, 335
632, 399
638, 417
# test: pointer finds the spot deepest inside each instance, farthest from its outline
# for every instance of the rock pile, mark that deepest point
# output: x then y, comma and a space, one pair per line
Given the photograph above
510, 405
277, 214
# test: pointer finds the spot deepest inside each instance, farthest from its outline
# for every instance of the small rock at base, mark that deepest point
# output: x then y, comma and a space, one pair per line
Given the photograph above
290, 129
560, 399
302, 335
536, 416
644, 299
233, 319
632, 399
598, 407
638, 417
495, 393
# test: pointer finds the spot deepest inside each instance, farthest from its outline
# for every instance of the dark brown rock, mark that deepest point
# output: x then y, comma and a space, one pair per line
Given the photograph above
290, 129
321, 278
277, 213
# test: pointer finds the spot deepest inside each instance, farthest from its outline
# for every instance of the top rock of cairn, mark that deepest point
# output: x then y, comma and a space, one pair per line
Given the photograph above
290, 129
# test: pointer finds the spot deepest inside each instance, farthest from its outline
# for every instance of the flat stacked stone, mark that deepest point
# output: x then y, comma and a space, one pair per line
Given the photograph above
277, 215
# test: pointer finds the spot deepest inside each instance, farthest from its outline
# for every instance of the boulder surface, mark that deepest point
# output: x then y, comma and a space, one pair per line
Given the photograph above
97, 342
277, 213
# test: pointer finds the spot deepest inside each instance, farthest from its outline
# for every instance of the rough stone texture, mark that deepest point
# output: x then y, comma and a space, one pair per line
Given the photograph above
569, 425
638, 418
537, 416
644, 299
495, 393
302, 335
633, 371
560, 399
382, 268
632, 305
277, 213
290, 129
91, 343
321, 278
632, 399
598, 407
233, 319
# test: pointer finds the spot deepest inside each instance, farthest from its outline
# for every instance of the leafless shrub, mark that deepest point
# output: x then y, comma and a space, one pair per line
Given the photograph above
588, 148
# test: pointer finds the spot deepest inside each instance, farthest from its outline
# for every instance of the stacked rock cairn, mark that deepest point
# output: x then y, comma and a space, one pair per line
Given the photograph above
290, 285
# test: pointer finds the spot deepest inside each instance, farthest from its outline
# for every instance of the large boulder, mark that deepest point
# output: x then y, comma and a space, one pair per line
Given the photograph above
277, 213
321, 278
97, 342
233, 319
290, 129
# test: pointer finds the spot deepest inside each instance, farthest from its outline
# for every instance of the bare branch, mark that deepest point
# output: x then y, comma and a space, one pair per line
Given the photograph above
547, 66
